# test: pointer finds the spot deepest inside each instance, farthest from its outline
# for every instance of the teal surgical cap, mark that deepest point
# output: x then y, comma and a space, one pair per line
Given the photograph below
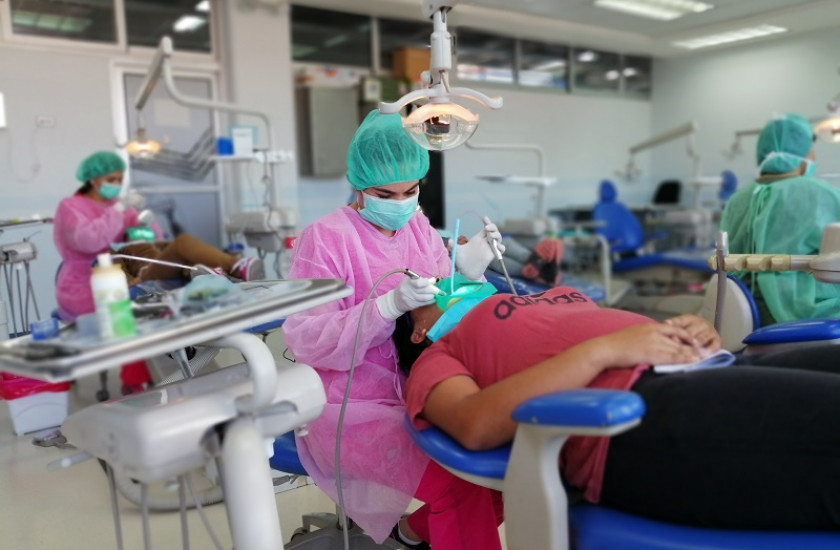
99, 164
382, 153
457, 298
783, 144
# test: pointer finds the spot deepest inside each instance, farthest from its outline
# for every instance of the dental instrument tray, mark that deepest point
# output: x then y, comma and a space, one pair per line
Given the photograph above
72, 355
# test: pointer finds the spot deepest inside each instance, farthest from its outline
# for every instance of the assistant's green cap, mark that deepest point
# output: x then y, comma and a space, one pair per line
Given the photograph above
99, 164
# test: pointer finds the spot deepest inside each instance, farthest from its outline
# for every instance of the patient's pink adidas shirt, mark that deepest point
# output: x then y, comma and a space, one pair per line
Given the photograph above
505, 334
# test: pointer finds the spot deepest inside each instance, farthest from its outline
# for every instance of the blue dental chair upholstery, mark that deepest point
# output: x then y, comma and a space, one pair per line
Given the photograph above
537, 513
741, 330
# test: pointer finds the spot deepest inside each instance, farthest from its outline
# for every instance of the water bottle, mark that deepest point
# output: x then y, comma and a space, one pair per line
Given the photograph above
112, 300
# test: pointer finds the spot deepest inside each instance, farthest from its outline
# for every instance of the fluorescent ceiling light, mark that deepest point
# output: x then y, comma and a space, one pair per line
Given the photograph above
612, 75
204, 6
187, 23
630, 72
664, 10
748, 33
587, 56
549, 65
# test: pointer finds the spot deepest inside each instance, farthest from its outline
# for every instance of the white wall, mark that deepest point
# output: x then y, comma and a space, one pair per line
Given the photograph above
741, 88
584, 139
75, 90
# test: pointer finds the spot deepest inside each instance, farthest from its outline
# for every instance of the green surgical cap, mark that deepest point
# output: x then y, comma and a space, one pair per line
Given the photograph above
99, 164
382, 153
790, 137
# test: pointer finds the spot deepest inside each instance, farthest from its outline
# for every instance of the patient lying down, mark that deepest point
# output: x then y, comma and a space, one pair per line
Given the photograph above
749, 446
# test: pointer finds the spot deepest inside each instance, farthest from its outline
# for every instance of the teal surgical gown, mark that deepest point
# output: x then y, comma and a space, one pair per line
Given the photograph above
786, 216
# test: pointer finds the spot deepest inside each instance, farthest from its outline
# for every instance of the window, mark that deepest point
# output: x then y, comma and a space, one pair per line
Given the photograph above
636, 72
330, 37
84, 20
596, 70
186, 21
543, 64
484, 57
395, 33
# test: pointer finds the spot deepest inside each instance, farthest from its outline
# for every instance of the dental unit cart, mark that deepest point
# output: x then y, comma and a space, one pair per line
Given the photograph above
226, 415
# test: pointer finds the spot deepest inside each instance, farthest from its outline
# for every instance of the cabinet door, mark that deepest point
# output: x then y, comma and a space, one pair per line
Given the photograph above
331, 114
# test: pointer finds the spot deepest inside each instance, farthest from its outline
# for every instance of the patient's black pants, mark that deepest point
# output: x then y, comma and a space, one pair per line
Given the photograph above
755, 445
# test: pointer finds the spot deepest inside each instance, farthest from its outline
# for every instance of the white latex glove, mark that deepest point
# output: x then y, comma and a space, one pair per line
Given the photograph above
146, 217
472, 258
409, 294
134, 199
119, 206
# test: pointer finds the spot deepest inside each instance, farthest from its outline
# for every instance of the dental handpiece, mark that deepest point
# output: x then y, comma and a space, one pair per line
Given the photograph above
494, 246
432, 280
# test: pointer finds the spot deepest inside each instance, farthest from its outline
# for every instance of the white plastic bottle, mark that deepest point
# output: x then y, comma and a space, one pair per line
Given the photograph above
113, 302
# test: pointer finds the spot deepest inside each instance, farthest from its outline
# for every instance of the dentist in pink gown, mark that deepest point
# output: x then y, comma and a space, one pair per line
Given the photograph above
383, 230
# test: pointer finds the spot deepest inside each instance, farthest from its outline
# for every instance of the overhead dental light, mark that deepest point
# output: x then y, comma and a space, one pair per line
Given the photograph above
141, 146
264, 229
440, 124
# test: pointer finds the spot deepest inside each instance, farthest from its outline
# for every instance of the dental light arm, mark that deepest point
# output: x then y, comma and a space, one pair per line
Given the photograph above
161, 67
824, 266
440, 124
687, 129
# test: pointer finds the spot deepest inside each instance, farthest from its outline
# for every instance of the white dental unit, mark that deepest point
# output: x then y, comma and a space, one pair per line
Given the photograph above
227, 415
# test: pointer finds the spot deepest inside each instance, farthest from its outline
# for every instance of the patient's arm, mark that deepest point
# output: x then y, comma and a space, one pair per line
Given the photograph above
480, 418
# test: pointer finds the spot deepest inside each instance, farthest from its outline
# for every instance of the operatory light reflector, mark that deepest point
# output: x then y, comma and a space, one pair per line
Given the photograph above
664, 10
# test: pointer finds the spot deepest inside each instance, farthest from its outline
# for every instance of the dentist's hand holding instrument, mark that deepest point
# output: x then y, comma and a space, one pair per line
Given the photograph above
412, 292
474, 257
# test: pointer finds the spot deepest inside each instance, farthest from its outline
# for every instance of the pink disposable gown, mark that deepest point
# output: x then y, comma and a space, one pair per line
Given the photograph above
83, 228
380, 466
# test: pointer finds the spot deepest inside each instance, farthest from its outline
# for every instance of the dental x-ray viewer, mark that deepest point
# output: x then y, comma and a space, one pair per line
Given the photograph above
383, 230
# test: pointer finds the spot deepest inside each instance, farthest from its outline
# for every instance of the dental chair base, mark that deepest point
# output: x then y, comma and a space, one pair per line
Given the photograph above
536, 514
329, 535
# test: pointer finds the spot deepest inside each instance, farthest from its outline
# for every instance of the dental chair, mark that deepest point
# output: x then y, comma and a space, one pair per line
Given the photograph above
631, 247
741, 330
538, 514
327, 534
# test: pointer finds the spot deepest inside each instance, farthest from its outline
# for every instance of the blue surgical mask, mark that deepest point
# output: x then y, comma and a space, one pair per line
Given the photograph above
810, 168
109, 191
389, 214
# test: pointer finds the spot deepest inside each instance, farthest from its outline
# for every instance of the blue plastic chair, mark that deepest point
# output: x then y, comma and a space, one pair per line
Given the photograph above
537, 512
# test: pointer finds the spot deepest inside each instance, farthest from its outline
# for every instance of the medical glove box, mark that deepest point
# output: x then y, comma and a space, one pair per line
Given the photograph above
34, 405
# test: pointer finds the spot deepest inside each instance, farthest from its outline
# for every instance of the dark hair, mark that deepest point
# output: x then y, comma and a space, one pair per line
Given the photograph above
84, 187
407, 351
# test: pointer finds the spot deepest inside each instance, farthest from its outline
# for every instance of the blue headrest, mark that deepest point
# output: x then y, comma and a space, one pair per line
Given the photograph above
728, 185
607, 192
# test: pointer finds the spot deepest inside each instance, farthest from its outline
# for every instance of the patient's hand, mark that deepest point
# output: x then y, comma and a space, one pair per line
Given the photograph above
702, 330
650, 343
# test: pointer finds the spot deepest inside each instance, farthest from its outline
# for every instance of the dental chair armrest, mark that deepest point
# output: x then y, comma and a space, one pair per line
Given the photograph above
583, 412
534, 494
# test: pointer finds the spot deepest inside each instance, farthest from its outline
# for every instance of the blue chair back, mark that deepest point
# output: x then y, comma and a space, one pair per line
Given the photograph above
620, 227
